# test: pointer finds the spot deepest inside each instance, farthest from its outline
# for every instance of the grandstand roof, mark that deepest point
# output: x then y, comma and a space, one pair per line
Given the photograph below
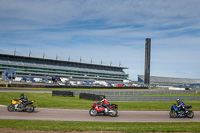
59, 61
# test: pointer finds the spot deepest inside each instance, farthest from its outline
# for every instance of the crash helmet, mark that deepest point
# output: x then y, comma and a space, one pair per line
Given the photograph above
22, 95
178, 100
102, 97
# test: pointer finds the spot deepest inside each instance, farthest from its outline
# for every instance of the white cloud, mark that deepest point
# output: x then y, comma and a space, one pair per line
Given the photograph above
109, 30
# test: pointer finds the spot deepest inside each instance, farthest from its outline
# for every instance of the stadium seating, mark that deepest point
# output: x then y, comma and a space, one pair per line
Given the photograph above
64, 68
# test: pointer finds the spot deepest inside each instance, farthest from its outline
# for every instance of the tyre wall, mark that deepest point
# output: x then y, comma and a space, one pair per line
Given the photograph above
62, 93
89, 96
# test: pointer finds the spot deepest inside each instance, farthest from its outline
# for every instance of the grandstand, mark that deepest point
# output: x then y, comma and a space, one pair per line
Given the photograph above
32, 66
169, 81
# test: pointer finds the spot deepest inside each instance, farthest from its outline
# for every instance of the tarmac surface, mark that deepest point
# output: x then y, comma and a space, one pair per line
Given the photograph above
50, 114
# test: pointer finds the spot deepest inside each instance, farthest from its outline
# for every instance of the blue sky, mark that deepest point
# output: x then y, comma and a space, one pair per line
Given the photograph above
108, 30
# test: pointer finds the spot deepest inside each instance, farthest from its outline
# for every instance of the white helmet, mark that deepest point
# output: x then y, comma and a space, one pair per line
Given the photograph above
177, 100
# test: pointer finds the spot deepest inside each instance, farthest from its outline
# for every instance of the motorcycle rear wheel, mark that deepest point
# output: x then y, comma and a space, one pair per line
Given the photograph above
11, 108
172, 114
190, 114
93, 112
113, 112
30, 108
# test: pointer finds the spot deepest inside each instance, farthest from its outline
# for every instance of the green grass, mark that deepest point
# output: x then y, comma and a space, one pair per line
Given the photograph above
46, 100
101, 126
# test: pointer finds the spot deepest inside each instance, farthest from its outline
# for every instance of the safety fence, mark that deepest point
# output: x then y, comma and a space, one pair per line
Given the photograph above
134, 92
151, 98
128, 95
139, 95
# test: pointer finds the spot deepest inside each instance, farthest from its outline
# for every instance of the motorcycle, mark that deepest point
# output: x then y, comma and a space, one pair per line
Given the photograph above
98, 109
179, 112
16, 105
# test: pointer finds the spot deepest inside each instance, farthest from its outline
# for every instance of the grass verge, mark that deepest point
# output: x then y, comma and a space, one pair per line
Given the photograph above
101, 126
46, 100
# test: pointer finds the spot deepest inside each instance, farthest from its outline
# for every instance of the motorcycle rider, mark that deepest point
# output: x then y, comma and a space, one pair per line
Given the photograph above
181, 105
105, 102
24, 100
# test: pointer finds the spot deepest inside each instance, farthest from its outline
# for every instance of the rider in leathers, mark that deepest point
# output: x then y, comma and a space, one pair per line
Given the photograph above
105, 102
24, 99
181, 105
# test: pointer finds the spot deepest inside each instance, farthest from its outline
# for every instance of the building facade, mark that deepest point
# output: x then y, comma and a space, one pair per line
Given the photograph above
169, 81
32, 66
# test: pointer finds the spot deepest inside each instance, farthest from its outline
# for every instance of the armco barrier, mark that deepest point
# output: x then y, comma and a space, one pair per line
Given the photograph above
134, 92
62, 93
152, 98
134, 95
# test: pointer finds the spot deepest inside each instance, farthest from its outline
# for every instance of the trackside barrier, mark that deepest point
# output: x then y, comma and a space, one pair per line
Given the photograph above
62, 93
133, 93
151, 98
89, 96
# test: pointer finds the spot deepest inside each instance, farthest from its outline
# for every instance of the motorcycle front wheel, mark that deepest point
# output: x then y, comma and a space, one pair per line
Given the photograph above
190, 114
30, 108
93, 112
11, 108
113, 112
173, 114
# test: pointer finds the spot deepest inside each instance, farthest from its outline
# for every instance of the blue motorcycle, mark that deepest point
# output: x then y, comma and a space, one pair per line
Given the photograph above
179, 112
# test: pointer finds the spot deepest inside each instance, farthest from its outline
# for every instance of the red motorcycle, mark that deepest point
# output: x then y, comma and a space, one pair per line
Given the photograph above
97, 109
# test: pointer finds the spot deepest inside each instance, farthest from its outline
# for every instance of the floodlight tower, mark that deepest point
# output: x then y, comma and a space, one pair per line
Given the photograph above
147, 61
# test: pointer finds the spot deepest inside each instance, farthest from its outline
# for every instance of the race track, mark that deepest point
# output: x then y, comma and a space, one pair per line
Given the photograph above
49, 114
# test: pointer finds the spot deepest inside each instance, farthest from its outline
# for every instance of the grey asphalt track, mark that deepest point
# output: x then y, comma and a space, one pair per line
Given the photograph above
48, 114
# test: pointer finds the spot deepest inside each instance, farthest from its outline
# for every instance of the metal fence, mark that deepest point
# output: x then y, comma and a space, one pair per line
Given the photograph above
135, 95
152, 98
